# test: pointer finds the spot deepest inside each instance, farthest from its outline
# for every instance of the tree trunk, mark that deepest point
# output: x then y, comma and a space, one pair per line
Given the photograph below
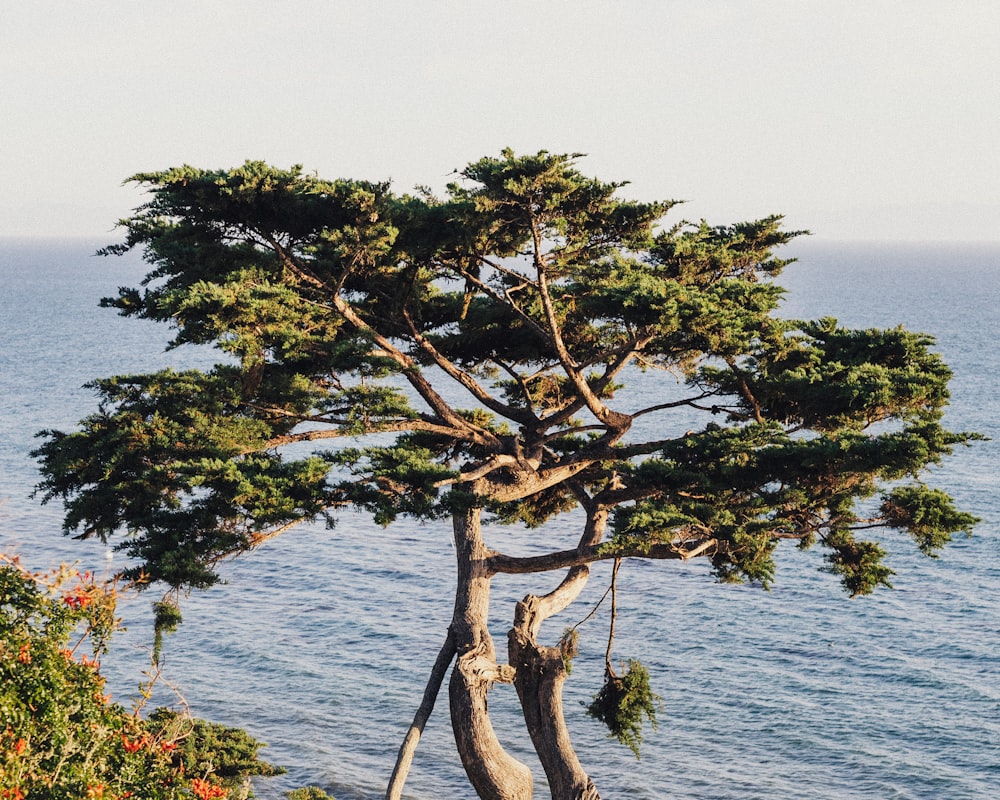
494, 774
539, 677
540, 673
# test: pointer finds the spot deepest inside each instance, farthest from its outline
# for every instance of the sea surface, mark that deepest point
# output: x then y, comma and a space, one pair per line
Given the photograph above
320, 642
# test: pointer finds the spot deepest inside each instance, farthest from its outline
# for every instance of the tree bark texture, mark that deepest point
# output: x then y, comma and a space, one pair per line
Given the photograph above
494, 774
539, 677
540, 673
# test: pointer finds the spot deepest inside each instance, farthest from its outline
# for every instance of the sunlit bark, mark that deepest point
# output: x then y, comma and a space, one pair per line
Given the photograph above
494, 773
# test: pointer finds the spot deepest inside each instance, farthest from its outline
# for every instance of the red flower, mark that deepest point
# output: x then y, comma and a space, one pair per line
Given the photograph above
78, 598
204, 790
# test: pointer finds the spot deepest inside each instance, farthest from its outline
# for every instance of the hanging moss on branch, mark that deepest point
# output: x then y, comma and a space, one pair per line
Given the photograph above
622, 703
166, 617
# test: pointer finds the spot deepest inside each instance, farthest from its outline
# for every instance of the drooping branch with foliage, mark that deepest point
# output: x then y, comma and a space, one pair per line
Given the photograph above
530, 345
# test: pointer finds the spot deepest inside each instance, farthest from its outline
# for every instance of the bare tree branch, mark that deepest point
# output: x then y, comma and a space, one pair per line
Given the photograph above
409, 746
521, 416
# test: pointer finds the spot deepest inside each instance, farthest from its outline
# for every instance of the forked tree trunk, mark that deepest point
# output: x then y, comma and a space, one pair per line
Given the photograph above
539, 677
494, 774
540, 673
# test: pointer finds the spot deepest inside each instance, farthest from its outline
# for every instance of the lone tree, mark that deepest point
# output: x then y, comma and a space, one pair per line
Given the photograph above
473, 351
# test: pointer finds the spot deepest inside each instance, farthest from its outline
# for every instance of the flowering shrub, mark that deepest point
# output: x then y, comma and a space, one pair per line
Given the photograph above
63, 738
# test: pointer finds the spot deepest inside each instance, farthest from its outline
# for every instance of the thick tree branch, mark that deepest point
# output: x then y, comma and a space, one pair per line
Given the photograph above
521, 416
612, 419
515, 565
538, 609
413, 375
388, 427
502, 460
533, 482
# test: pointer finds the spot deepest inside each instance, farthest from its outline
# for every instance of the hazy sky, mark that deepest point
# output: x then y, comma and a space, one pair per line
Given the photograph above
871, 119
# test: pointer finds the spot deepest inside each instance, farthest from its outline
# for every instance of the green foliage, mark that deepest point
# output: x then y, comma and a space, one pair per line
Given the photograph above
348, 312
175, 461
512, 195
858, 563
702, 255
623, 702
363, 323
828, 378
928, 514
62, 738
406, 484
208, 748
536, 510
166, 617
308, 793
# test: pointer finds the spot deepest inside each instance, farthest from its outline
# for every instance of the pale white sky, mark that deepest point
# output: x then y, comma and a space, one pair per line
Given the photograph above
857, 119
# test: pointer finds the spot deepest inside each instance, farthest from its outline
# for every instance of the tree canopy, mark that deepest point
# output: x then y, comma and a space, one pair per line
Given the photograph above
528, 346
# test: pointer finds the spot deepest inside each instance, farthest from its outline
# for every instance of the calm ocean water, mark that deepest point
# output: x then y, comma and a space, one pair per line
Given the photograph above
320, 643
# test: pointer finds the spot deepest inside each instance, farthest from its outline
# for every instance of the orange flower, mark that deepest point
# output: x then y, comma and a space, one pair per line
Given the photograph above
97, 790
204, 790
19, 746
12, 794
24, 653
89, 662
132, 745
78, 598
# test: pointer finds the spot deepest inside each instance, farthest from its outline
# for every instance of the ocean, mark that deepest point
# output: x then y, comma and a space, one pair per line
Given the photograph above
320, 642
